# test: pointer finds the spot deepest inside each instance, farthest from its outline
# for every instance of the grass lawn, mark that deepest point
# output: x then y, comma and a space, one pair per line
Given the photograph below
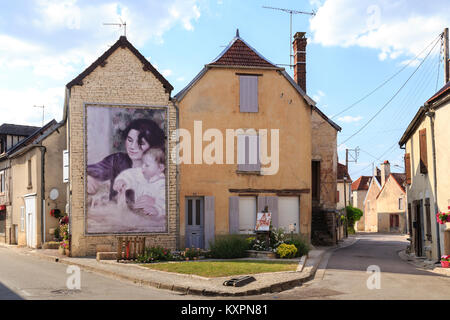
224, 268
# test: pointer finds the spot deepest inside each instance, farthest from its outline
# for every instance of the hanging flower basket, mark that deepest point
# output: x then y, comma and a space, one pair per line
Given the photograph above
443, 217
445, 261
56, 213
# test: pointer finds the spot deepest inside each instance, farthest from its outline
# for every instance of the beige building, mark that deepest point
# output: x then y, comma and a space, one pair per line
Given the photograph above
35, 176
385, 201
241, 89
125, 84
359, 191
344, 187
10, 136
427, 162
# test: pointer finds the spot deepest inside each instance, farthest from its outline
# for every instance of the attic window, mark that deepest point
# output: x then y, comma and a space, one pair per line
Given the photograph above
248, 93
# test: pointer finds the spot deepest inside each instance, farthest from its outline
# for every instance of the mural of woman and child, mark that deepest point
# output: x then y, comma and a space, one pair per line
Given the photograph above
126, 176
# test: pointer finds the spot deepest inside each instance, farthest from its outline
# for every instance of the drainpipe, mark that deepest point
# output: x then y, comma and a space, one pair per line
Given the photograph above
177, 177
431, 115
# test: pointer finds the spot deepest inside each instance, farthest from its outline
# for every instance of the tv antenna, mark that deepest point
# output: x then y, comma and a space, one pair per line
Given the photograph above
121, 24
291, 12
43, 107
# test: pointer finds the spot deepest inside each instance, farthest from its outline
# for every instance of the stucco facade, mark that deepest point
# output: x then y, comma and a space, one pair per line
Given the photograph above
428, 190
370, 207
391, 204
123, 78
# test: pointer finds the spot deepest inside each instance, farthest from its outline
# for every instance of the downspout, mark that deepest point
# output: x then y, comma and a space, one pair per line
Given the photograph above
43, 150
68, 192
431, 115
177, 178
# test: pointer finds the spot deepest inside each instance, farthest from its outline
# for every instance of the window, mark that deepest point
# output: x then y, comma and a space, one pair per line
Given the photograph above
316, 181
30, 185
247, 215
2, 181
400, 204
248, 93
248, 153
423, 151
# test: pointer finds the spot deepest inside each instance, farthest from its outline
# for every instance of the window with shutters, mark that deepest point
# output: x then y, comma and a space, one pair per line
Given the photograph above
248, 153
248, 93
423, 151
408, 168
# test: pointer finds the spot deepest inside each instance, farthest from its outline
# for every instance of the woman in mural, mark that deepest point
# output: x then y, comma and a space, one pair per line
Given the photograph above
139, 136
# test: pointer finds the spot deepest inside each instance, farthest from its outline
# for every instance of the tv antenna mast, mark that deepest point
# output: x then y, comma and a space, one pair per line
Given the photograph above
121, 24
291, 12
43, 107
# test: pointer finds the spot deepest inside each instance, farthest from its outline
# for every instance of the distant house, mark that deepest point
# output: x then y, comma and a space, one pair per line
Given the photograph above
359, 191
344, 187
384, 204
427, 163
10, 136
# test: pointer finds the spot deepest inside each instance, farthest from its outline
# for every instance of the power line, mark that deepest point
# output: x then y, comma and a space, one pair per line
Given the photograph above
392, 98
385, 82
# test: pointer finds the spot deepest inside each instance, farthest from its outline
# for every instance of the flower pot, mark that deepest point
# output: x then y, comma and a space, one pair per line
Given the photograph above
67, 251
445, 264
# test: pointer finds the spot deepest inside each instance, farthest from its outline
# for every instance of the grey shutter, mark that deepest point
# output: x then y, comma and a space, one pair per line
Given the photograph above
209, 220
272, 203
233, 215
261, 203
248, 93
242, 152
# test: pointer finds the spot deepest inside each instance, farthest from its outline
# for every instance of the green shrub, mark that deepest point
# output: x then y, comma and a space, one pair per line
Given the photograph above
229, 247
353, 215
192, 253
286, 251
57, 235
300, 243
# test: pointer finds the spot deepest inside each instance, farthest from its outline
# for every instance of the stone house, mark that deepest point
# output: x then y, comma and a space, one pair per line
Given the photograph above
384, 205
241, 89
10, 135
105, 138
344, 187
427, 163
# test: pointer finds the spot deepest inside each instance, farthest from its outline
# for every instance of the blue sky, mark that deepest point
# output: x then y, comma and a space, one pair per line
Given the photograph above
353, 46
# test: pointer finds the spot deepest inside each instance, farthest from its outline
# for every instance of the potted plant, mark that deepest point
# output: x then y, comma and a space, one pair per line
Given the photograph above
445, 261
56, 213
443, 217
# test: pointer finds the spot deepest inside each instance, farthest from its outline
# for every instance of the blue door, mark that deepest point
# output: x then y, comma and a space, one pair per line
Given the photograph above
195, 217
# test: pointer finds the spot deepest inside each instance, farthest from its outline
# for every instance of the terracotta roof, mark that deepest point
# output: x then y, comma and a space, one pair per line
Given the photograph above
443, 91
17, 130
101, 61
342, 172
362, 183
400, 178
238, 53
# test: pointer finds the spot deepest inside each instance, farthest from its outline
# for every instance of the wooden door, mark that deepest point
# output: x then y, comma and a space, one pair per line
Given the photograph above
195, 230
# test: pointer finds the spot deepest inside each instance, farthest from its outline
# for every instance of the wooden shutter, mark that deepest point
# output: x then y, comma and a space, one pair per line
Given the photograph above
233, 215
408, 168
248, 93
428, 218
209, 220
337, 196
423, 151
409, 219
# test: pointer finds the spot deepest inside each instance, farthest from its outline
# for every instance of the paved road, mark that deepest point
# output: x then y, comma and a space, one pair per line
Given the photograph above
23, 276
345, 276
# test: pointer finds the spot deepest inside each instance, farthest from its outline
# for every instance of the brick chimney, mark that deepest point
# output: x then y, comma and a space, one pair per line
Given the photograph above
299, 45
385, 171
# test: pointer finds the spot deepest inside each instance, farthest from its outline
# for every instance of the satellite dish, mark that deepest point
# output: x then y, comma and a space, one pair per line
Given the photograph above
54, 194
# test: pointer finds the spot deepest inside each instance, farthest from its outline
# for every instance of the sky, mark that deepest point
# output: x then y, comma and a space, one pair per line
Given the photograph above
354, 46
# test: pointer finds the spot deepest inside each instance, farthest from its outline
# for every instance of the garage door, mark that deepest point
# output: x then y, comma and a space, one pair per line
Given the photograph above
288, 212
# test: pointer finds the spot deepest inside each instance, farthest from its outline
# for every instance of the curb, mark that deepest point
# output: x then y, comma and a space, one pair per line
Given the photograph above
272, 288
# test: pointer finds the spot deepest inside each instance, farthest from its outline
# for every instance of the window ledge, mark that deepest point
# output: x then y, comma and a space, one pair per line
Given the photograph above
258, 173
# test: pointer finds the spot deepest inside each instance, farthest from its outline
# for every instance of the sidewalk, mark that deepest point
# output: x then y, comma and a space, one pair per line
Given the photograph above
192, 284
422, 263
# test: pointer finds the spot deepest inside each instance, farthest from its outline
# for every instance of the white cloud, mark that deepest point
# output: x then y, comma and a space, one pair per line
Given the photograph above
395, 28
349, 119
316, 97
21, 102
166, 72
180, 79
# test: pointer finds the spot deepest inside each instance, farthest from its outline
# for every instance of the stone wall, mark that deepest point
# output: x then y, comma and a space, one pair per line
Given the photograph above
122, 80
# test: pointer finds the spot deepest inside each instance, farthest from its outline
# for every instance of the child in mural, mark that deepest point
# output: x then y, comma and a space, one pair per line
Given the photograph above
139, 136
148, 181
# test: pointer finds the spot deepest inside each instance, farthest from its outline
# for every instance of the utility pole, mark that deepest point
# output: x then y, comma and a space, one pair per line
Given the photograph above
354, 158
291, 12
446, 57
43, 107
